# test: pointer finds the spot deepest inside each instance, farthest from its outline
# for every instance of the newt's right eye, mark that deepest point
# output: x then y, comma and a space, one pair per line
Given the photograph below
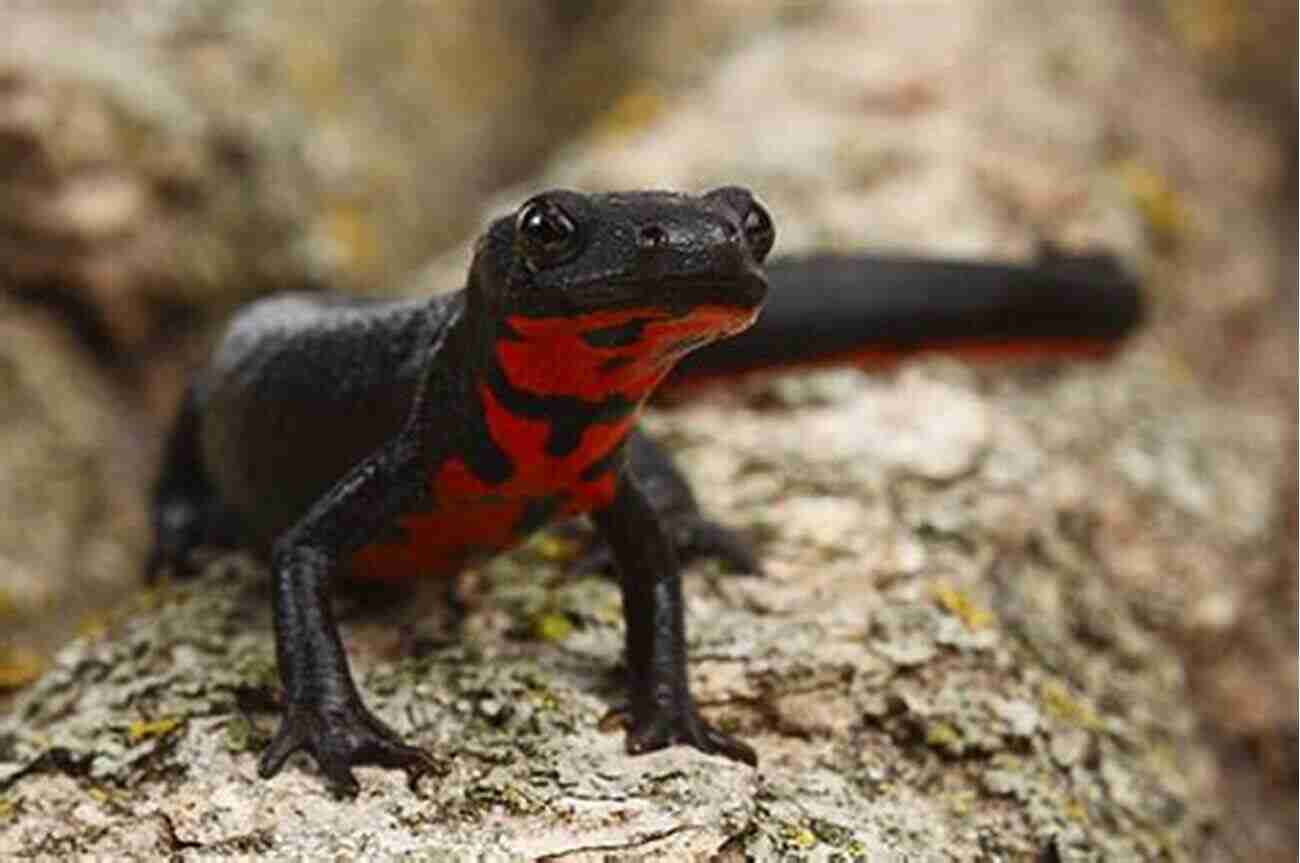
545, 234
759, 231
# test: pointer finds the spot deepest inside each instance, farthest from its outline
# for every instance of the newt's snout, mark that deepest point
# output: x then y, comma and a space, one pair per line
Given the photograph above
705, 257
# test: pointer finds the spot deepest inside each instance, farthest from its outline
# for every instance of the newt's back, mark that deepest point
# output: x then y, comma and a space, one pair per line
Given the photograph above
301, 387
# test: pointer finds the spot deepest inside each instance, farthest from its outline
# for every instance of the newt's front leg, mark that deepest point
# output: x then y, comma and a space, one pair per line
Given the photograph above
324, 713
662, 710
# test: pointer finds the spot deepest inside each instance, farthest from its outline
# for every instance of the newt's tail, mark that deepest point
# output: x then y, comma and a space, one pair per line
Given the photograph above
874, 311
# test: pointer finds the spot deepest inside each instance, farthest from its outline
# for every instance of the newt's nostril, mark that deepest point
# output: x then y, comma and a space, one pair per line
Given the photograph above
652, 237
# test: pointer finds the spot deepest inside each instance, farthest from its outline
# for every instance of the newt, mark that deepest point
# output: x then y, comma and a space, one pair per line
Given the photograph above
388, 439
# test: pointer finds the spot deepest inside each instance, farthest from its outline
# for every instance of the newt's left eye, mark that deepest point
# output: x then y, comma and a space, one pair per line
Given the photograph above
545, 234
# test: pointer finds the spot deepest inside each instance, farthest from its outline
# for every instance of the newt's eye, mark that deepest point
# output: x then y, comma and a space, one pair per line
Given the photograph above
759, 231
545, 234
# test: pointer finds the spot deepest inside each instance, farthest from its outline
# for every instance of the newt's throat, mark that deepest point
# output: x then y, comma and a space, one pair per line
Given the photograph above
621, 353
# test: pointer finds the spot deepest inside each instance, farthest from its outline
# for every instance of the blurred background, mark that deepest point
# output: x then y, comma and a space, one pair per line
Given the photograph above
162, 162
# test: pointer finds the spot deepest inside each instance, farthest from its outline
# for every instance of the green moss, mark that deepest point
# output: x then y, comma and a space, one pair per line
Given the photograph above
551, 626
242, 736
554, 548
148, 729
1161, 206
1058, 702
944, 737
798, 836
961, 606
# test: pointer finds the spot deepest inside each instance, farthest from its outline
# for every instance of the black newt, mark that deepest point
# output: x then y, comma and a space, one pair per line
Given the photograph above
388, 439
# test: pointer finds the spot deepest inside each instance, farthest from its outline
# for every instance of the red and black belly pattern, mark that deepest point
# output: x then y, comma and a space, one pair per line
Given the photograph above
561, 396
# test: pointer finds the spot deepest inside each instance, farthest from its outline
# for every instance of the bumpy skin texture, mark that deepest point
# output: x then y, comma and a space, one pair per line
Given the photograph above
390, 439
384, 440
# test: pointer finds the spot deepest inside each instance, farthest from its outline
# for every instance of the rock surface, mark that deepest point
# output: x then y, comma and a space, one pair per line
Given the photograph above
935, 669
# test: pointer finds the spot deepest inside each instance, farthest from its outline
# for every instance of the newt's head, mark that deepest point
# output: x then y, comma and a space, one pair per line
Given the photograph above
566, 253
590, 295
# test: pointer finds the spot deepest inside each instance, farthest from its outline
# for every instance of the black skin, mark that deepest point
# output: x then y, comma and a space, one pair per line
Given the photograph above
318, 426
304, 391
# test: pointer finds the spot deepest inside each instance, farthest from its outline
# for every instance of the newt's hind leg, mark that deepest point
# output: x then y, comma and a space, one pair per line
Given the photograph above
693, 534
186, 509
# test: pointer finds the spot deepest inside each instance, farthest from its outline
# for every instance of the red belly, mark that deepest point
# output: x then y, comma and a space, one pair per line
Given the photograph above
472, 518
440, 543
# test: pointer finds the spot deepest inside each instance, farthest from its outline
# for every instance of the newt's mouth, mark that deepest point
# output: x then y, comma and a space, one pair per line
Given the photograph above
651, 328
684, 296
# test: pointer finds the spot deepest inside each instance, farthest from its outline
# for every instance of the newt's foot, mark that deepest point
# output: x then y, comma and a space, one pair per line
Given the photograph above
181, 527
702, 537
341, 736
668, 727
178, 529
693, 537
